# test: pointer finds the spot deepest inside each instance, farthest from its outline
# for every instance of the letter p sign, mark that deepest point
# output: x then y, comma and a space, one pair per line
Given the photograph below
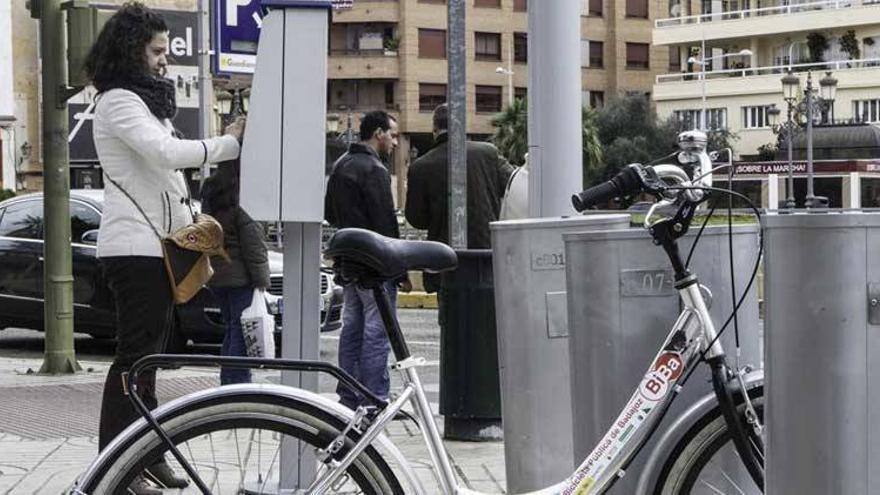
232, 11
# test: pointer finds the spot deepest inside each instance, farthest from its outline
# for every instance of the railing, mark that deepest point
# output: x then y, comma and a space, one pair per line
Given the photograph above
836, 65
791, 8
354, 52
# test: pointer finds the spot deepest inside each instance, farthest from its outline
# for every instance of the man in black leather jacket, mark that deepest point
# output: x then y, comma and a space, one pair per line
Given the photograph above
359, 195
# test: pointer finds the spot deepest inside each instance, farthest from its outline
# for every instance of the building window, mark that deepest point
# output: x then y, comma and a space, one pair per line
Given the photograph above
755, 117
432, 43
866, 110
592, 54
637, 55
692, 119
389, 95
495, 4
521, 94
674, 59
520, 47
637, 8
591, 8
597, 99
488, 99
487, 46
431, 96
520, 5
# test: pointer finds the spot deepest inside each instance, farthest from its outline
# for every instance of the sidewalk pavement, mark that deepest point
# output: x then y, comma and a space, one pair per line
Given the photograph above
48, 429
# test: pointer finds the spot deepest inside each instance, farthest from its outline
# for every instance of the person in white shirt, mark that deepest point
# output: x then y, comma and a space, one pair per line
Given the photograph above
145, 198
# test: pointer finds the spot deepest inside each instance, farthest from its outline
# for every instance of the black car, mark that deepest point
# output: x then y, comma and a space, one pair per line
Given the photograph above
21, 275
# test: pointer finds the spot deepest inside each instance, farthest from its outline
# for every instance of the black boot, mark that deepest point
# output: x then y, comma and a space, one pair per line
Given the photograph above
117, 411
162, 474
141, 486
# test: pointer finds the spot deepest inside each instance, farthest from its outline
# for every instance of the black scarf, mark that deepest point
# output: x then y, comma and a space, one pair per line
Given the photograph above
157, 92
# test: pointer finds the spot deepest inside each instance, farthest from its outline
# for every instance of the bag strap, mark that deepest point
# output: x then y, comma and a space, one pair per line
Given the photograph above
135, 203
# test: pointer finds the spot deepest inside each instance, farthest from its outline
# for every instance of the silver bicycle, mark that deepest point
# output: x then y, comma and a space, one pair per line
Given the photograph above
231, 439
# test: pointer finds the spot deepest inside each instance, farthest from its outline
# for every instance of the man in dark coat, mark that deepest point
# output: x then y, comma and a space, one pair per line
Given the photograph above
427, 197
359, 195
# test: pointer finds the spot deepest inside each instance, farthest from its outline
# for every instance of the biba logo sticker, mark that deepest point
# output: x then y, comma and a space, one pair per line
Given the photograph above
667, 368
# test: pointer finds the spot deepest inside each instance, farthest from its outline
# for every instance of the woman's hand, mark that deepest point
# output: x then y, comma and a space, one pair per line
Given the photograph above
236, 129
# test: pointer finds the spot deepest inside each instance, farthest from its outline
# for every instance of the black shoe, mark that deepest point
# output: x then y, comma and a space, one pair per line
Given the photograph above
140, 486
164, 476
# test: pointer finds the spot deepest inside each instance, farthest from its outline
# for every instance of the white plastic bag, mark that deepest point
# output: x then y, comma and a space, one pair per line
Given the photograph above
258, 327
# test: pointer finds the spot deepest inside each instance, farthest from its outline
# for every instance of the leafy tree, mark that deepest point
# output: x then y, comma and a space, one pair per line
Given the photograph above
849, 44
591, 145
630, 132
6, 194
817, 43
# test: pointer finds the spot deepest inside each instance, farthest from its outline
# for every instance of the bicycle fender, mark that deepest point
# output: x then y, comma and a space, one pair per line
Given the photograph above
673, 434
97, 468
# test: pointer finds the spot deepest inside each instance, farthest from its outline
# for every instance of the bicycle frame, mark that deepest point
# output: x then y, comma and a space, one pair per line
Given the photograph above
680, 351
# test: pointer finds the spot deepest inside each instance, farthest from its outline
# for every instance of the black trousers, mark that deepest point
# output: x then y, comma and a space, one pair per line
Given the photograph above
144, 313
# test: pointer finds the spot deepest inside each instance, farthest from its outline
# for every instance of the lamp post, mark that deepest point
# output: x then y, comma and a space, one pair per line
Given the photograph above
827, 93
702, 63
828, 86
791, 85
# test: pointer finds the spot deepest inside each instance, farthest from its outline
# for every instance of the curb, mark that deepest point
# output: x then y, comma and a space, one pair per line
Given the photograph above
416, 300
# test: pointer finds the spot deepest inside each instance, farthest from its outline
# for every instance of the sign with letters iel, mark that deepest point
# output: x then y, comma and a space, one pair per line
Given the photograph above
237, 26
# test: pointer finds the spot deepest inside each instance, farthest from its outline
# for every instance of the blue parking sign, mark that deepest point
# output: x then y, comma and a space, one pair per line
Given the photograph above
237, 31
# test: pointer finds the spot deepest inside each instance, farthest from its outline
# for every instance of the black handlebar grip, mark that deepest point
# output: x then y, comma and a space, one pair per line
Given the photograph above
595, 195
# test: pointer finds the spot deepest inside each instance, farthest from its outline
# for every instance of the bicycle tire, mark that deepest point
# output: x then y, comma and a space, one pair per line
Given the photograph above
369, 473
699, 462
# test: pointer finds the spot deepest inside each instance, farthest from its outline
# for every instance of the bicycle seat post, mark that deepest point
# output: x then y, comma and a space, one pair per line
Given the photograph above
392, 327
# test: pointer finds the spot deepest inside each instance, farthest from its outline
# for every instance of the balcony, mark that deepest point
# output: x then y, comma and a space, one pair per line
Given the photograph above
855, 74
363, 64
369, 11
775, 20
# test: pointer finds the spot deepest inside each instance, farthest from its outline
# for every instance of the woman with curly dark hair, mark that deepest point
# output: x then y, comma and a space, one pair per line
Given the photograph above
145, 199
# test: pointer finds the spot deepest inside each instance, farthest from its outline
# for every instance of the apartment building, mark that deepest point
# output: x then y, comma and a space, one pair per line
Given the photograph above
748, 46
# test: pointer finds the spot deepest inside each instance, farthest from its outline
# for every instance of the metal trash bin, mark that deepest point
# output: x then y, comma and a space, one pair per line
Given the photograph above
470, 400
621, 305
822, 284
530, 305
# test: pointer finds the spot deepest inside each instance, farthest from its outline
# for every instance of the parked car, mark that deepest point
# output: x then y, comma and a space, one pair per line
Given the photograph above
21, 275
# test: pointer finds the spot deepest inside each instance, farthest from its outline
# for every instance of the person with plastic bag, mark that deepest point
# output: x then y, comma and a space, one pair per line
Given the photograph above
240, 281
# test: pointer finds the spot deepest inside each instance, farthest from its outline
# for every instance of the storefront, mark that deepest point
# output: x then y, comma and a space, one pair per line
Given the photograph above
846, 183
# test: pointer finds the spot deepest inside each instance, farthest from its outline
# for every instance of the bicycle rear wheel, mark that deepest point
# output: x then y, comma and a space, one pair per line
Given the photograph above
236, 447
705, 460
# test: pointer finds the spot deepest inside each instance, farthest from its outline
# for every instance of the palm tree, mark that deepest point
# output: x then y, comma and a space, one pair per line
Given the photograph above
511, 131
511, 136
591, 146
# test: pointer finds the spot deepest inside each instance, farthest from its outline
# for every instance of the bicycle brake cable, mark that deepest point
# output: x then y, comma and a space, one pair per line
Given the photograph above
753, 276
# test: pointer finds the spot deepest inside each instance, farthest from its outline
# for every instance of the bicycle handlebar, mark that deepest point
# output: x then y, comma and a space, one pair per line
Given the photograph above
627, 181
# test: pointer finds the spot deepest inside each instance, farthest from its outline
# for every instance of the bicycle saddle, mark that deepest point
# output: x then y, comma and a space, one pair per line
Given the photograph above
387, 257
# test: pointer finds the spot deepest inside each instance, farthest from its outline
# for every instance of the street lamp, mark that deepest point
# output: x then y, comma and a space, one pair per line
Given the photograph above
702, 63
827, 93
784, 129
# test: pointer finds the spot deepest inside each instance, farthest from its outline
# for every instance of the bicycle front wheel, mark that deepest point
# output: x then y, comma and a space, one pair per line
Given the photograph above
705, 460
235, 447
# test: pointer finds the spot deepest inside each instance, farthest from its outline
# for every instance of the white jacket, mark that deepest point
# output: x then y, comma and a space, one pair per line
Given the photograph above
138, 151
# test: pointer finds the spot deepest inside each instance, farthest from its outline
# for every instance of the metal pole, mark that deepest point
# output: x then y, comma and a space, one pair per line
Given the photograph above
205, 82
789, 202
555, 143
510, 94
59, 356
457, 98
809, 103
703, 83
